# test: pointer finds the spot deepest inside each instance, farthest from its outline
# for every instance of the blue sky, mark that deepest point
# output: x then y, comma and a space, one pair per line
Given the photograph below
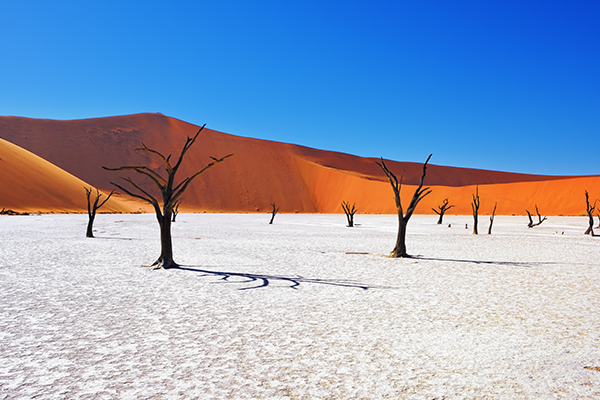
510, 86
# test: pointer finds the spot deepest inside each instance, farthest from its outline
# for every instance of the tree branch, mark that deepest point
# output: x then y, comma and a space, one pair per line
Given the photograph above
179, 189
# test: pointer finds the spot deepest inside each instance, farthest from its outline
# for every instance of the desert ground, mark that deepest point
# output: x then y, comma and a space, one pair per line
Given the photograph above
305, 308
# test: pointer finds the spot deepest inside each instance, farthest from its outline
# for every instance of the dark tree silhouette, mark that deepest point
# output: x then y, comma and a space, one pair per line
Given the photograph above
420, 193
273, 213
4, 211
531, 224
492, 219
92, 208
175, 210
170, 193
590, 212
475, 208
349, 211
442, 210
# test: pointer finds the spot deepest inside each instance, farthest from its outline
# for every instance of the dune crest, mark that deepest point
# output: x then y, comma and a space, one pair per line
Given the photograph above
296, 178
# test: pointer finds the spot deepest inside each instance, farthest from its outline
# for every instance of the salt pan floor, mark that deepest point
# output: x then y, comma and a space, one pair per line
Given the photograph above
294, 311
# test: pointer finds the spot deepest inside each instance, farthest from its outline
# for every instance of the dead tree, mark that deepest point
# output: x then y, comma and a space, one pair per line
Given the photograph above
531, 224
442, 210
92, 208
475, 208
420, 193
175, 210
590, 212
273, 213
169, 190
492, 219
349, 212
4, 211
598, 215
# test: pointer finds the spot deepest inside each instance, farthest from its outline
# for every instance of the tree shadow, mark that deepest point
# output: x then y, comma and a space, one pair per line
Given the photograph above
114, 238
264, 280
527, 264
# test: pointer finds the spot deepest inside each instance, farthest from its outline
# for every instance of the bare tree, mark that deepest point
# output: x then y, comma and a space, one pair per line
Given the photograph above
475, 208
349, 212
170, 193
531, 224
92, 208
273, 213
4, 211
420, 193
175, 210
598, 215
492, 219
590, 212
442, 210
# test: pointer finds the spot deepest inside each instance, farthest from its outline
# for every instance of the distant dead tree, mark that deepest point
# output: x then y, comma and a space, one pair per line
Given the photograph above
175, 210
531, 224
92, 208
598, 215
170, 193
475, 208
492, 219
420, 193
349, 211
442, 210
4, 211
590, 212
273, 213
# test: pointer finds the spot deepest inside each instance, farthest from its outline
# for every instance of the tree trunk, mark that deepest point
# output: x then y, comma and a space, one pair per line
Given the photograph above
400, 249
590, 229
90, 226
166, 244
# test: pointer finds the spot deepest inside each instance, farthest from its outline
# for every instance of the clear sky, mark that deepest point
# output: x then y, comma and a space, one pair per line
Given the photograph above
504, 85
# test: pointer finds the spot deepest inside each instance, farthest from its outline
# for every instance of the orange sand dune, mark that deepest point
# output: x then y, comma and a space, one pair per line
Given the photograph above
31, 184
296, 178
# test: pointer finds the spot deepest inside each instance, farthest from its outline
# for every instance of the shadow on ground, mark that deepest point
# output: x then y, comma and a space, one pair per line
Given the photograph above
527, 264
264, 280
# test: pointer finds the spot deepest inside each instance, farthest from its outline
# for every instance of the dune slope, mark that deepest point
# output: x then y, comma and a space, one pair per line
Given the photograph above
32, 184
296, 178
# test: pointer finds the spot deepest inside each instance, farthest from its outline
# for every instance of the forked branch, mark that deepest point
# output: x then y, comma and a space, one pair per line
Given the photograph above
273, 213
475, 208
590, 212
349, 211
92, 208
442, 210
492, 219
531, 224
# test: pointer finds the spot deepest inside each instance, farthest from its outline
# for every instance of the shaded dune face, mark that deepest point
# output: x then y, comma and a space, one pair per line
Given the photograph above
32, 184
296, 178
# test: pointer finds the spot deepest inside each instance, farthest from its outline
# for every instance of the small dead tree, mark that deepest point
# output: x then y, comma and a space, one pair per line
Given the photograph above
92, 208
169, 190
4, 211
531, 224
273, 213
492, 219
420, 193
598, 215
442, 210
349, 211
175, 210
590, 212
475, 208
